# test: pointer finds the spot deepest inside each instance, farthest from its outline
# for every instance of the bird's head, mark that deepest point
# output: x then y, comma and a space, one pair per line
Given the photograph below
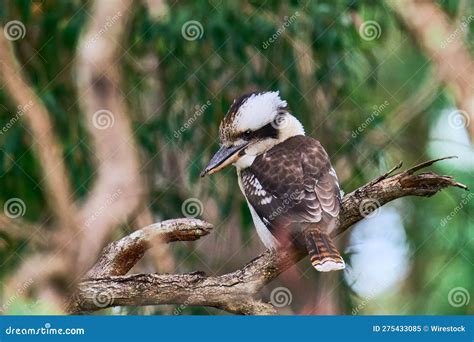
254, 123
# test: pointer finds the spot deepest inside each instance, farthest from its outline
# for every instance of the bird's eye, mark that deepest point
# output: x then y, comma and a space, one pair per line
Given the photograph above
247, 134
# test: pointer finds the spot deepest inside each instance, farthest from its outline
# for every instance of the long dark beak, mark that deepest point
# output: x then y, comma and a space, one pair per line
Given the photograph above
223, 157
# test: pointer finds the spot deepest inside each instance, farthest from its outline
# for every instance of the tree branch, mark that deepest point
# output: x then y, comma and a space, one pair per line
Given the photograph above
120, 256
18, 229
108, 285
442, 42
119, 186
384, 189
47, 147
58, 191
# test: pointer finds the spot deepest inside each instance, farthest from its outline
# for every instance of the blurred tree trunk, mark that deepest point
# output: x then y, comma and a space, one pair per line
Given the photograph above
442, 42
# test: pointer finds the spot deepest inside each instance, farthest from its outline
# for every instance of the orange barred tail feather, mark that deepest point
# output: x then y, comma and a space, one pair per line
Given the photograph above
324, 255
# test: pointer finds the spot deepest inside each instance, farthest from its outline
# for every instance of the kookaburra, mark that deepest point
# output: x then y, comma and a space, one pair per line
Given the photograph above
286, 177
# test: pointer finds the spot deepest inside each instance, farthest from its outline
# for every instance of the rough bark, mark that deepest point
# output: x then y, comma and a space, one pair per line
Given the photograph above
234, 292
120, 256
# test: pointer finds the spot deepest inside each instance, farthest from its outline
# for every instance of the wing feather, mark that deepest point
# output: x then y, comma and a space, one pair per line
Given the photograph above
293, 184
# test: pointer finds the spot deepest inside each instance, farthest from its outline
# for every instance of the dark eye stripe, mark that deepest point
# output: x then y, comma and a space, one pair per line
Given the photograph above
267, 131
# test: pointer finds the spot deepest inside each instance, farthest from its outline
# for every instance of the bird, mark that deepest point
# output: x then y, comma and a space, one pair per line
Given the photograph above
287, 178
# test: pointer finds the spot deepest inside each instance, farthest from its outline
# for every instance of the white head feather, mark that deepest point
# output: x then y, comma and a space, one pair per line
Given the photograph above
259, 110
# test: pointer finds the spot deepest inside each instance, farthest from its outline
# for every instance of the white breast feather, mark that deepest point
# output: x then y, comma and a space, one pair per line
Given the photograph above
263, 232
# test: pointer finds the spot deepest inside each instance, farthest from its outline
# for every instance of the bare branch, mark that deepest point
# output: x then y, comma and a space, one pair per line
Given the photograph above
229, 292
46, 147
58, 190
19, 229
159, 256
120, 256
118, 167
385, 189
234, 291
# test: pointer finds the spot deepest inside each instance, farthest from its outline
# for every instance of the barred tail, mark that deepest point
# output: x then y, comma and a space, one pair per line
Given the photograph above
324, 255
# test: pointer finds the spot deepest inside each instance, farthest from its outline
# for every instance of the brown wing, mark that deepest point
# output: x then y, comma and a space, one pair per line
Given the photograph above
293, 185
